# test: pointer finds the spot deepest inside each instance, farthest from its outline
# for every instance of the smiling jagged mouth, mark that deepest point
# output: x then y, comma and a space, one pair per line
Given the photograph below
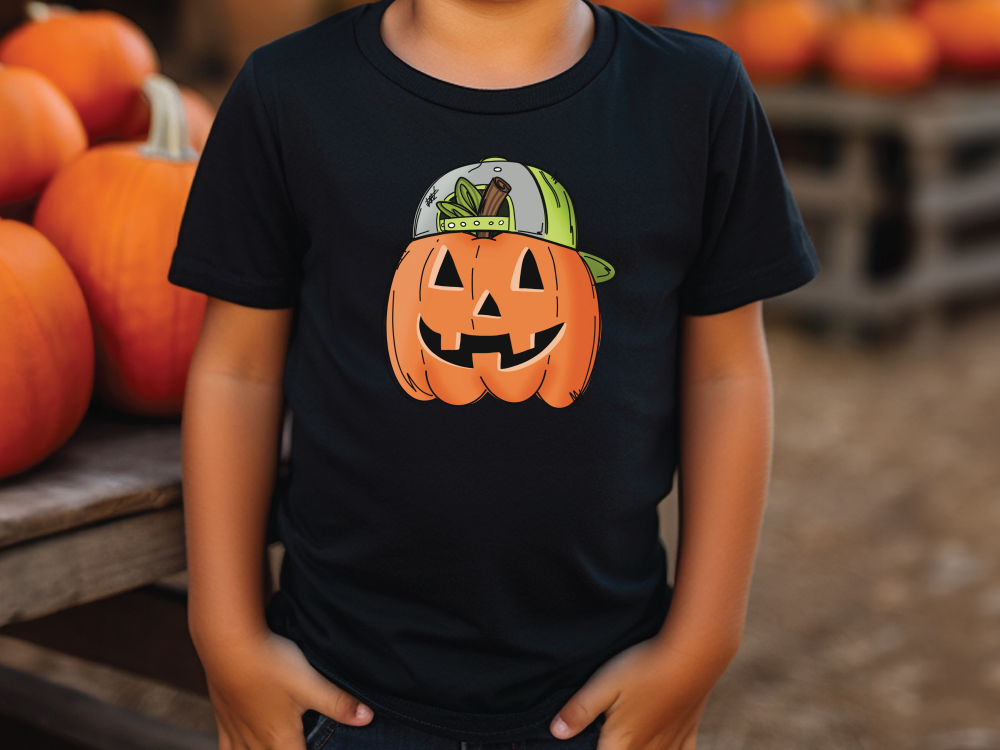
471, 343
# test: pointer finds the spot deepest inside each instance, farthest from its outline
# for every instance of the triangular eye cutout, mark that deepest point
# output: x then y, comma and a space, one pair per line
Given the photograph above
489, 308
447, 274
530, 277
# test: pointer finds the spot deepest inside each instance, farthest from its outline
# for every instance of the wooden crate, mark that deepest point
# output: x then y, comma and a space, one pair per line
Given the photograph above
901, 196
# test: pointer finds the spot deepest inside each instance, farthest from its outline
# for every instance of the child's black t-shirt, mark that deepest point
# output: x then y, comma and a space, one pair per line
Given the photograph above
483, 362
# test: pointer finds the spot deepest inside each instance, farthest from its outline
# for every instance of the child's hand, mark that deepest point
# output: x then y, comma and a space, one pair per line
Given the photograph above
652, 695
261, 685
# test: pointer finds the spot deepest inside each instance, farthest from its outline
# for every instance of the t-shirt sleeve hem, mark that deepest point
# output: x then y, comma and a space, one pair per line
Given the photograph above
198, 277
770, 281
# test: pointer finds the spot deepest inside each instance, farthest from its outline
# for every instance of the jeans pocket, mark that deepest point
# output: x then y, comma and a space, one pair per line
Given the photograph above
318, 728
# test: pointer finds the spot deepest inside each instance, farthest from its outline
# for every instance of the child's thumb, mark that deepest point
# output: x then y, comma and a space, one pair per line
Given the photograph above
337, 703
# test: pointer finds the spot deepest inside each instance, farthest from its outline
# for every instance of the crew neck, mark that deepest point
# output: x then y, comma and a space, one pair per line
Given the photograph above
485, 101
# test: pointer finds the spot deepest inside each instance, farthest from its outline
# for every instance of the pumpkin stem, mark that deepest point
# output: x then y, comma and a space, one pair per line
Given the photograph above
493, 198
37, 11
168, 136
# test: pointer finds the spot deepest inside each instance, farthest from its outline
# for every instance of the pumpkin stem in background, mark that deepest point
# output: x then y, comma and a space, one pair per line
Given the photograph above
168, 137
495, 195
37, 11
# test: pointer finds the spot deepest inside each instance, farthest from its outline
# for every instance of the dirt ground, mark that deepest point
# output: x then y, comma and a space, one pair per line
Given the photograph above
874, 620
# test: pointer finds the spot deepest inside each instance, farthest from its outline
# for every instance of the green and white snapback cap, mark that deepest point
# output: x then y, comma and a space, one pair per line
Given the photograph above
537, 205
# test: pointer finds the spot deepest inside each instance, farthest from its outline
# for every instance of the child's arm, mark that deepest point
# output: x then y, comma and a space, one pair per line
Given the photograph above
232, 411
654, 692
726, 439
260, 683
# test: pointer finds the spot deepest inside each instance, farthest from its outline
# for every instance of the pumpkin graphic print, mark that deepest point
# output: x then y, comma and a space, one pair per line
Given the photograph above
491, 296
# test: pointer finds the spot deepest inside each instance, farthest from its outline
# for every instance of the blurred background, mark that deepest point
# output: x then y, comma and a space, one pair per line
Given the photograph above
875, 611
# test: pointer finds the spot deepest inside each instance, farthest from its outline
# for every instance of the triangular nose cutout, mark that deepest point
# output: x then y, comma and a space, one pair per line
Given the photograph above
488, 308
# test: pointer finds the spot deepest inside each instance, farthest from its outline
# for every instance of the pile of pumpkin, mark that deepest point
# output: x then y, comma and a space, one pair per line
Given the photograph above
96, 147
876, 46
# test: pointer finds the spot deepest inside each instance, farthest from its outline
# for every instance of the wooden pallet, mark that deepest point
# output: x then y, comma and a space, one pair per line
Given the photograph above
901, 196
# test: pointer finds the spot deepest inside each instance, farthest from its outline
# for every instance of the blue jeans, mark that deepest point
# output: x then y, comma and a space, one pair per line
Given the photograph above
384, 733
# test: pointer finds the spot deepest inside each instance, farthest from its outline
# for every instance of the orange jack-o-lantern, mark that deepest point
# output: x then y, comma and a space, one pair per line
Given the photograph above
503, 308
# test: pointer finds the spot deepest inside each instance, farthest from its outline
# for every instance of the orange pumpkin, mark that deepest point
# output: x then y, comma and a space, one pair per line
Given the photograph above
777, 40
98, 58
39, 132
114, 213
198, 111
880, 52
511, 315
46, 349
967, 32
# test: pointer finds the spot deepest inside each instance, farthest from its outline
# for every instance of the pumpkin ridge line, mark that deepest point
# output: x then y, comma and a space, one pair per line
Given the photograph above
117, 238
420, 289
593, 347
50, 347
392, 318
428, 380
487, 389
417, 387
539, 388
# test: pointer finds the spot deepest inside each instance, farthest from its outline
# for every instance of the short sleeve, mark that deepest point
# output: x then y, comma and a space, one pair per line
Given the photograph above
238, 239
754, 242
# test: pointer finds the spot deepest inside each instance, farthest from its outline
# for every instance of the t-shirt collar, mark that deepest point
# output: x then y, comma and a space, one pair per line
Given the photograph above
486, 101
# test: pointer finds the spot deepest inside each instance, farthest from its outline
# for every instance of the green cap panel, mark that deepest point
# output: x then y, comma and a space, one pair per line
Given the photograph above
560, 221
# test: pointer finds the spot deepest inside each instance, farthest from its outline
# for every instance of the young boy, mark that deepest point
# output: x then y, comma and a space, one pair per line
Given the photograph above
505, 261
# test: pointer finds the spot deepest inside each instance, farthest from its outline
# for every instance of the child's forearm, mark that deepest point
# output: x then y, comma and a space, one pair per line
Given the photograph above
233, 410
726, 434
231, 432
